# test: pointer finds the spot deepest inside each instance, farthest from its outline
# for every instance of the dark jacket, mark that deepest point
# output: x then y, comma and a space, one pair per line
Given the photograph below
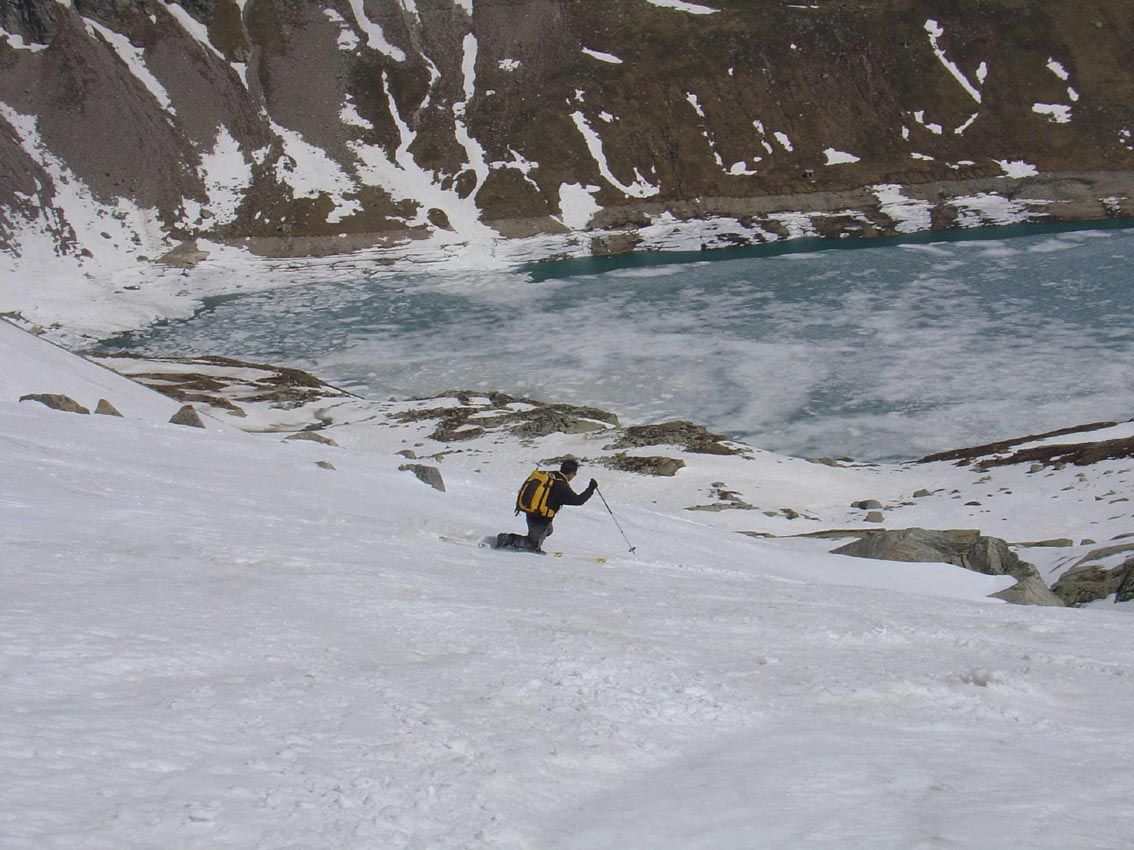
562, 494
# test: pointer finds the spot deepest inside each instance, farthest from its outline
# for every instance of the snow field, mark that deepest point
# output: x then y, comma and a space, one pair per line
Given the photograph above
209, 641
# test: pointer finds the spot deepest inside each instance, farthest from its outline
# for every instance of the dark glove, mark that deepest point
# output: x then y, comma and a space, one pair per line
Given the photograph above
593, 485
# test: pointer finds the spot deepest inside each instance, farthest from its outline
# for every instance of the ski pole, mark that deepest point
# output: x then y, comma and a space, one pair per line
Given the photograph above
616, 522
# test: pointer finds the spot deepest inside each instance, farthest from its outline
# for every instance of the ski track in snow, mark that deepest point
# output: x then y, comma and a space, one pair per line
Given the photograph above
208, 641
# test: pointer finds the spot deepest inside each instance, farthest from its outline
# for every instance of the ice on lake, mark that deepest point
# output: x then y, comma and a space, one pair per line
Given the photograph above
885, 352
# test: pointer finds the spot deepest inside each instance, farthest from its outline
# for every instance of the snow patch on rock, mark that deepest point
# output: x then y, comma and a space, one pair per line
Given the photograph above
682, 6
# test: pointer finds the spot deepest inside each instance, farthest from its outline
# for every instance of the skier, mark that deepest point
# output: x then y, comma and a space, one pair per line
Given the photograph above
540, 497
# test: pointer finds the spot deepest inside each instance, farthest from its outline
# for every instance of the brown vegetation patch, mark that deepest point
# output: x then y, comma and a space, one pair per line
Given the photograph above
975, 452
1083, 454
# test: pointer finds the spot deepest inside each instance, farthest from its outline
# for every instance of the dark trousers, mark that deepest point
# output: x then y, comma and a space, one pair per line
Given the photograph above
539, 529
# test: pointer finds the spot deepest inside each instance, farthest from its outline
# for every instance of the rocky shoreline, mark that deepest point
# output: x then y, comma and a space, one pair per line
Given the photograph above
712, 221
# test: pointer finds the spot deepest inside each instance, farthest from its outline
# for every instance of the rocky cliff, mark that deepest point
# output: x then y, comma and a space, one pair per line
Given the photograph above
303, 127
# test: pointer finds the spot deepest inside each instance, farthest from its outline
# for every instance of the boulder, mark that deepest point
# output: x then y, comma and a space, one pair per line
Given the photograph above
187, 255
187, 415
1086, 582
963, 548
1125, 592
431, 475
867, 505
105, 408
324, 464
56, 402
312, 436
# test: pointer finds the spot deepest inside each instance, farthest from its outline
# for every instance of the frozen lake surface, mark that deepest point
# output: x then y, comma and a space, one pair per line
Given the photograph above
888, 351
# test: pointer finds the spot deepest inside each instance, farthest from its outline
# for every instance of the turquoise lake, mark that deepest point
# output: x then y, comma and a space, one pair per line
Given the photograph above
879, 350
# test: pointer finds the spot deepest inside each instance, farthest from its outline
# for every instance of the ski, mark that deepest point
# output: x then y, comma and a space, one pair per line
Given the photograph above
594, 559
487, 543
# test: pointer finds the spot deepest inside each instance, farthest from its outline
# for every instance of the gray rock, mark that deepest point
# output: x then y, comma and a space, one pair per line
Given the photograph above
187, 415
829, 461
1087, 582
312, 436
324, 464
1055, 542
726, 500
692, 438
875, 516
867, 505
645, 465
431, 475
185, 256
38, 20
1125, 591
963, 548
56, 402
550, 420
105, 408
921, 494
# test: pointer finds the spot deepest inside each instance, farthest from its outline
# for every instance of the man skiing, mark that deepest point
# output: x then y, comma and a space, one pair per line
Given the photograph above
540, 497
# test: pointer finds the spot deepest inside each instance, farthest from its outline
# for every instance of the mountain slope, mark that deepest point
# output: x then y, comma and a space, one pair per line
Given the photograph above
212, 641
322, 127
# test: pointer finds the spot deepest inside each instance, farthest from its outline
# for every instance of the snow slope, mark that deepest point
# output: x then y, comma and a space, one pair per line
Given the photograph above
34, 365
210, 641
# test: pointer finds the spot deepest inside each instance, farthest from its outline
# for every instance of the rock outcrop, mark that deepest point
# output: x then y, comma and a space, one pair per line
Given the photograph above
1089, 580
645, 464
1053, 452
312, 437
686, 435
56, 401
223, 383
963, 548
520, 417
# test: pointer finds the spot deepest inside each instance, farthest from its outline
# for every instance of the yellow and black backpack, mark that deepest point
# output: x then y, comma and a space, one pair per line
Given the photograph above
534, 493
